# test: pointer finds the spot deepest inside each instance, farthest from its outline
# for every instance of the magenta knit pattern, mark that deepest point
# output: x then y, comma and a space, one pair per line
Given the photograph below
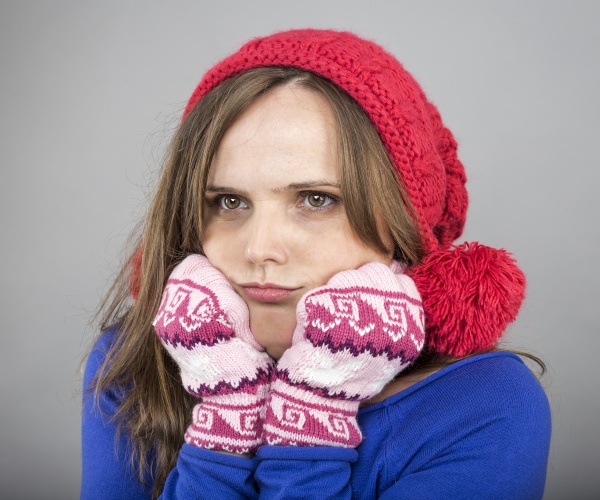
190, 314
347, 319
353, 336
204, 326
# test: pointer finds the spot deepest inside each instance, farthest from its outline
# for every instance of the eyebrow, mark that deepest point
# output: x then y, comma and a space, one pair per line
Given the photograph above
211, 188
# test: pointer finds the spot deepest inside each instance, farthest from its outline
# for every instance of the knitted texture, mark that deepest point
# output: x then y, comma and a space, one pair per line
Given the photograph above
352, 337
204, 325
421, 148
424, 154
486, 282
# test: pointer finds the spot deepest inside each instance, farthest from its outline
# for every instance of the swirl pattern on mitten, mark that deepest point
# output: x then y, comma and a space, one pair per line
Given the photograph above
353, 336
204, 325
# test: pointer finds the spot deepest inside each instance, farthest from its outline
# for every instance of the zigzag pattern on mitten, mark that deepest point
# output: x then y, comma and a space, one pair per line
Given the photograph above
353, 336
189, 314
233, 423
194, 329
347, 319
298, 417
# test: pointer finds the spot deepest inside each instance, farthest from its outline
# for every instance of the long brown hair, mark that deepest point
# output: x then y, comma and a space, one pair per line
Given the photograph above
155, 409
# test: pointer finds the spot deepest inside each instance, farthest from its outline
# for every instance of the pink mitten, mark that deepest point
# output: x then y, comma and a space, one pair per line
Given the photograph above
353, 336
204, 325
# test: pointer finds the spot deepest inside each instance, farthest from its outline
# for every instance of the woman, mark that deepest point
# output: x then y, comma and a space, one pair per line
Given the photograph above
302, 325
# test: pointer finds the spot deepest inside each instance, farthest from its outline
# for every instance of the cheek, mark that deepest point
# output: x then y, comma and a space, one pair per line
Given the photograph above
340, 250
358, 253
220, 248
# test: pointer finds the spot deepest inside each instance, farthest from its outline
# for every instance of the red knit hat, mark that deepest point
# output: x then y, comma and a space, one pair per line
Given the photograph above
470, 292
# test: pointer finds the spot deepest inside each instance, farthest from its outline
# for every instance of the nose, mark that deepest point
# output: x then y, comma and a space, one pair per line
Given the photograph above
266, 241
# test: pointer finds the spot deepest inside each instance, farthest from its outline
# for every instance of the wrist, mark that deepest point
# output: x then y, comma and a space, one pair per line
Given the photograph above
229, 422
298, 416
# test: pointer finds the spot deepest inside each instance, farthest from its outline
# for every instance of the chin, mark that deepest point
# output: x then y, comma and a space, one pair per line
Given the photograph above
276, 352
273, 327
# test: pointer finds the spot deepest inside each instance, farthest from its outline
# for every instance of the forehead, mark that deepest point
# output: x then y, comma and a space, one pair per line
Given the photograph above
286, 135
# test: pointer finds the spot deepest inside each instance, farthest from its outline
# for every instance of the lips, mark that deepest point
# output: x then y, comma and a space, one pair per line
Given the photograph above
267, 292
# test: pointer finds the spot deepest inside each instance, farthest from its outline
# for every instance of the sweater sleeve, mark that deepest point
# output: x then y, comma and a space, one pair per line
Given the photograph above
200, 473
106, 471
305, 472
106, 465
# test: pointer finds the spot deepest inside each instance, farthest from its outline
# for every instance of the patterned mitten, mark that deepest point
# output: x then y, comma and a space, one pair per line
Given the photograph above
204, 325
353, 336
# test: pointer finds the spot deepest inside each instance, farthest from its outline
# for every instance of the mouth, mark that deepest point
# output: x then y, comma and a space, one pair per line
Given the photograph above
267, 292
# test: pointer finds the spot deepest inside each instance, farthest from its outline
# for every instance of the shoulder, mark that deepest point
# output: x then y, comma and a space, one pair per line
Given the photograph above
486, 418
98, 353
491, 401
500, 381
106, 452
94, 362
501, 374
497, 382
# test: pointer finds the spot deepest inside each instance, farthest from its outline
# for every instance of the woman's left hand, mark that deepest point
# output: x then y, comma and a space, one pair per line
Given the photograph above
353, 336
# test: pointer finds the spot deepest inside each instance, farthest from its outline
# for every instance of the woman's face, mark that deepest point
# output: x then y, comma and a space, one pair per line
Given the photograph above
275, 224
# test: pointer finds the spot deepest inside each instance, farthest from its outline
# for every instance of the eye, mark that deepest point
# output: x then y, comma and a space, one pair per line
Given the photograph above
317, 200
231, 202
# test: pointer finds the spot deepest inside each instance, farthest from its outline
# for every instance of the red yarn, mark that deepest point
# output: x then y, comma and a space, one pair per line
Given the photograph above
421, 148
470, 294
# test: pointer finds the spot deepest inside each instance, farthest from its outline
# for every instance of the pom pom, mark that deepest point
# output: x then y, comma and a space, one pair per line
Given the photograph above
470, 294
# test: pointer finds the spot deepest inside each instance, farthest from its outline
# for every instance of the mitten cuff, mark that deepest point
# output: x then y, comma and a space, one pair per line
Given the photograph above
231, 422
299, 417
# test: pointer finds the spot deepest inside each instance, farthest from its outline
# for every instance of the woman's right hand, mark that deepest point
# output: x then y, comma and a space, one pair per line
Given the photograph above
204, 325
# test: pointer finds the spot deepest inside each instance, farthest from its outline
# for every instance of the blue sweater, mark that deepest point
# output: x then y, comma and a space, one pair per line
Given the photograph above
479, 428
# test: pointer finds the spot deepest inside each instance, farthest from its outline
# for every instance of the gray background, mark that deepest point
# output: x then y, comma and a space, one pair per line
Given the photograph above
90, 92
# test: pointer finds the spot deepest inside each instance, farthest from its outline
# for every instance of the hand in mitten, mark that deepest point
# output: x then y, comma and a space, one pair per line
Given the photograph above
204, 325
353, 336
